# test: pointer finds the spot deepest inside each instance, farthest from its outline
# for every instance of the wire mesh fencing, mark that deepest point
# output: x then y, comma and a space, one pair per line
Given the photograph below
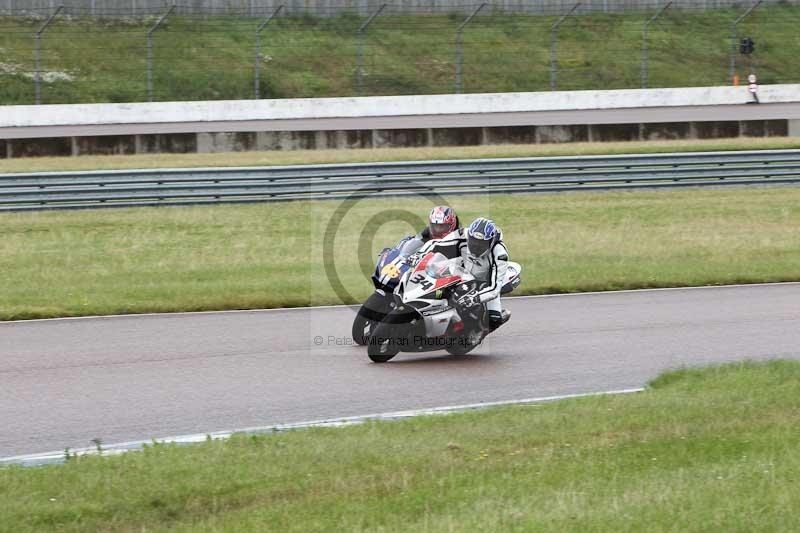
83, 54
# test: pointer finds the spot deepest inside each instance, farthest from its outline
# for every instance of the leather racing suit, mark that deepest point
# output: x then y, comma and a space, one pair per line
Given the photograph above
489, 269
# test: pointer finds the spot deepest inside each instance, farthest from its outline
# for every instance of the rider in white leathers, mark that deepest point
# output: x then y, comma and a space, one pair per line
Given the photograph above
485, 256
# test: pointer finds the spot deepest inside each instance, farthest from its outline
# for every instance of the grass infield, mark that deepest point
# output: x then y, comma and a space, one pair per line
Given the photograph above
713, 449
271, 255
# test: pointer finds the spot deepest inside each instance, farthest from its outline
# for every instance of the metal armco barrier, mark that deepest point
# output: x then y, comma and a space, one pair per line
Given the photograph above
132, 188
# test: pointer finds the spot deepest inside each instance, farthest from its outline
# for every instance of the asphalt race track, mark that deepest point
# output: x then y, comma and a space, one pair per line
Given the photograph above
65, 382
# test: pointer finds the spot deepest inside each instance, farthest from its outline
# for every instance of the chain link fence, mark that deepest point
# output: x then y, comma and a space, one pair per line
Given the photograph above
73, 54
253, 8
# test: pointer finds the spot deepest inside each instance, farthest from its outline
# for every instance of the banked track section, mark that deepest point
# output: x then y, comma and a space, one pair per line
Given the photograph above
128, 188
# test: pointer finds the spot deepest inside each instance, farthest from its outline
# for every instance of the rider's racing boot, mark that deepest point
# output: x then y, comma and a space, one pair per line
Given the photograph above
497, 319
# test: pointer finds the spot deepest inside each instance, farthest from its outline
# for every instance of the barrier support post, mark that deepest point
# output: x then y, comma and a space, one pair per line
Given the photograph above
258, 57
150, 32
460, 48
645, 50
360, 51
554, 46
37, 37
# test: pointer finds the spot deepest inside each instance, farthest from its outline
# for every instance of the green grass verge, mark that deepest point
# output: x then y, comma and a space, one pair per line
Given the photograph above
202, 58
713, 449
271, 255
304, 157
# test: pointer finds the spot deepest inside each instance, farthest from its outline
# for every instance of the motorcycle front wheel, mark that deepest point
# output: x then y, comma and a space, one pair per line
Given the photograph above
362, 329
368, 317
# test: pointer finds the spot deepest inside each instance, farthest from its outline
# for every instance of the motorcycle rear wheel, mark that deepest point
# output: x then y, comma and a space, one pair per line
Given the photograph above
385, 342
381, 357
460, 349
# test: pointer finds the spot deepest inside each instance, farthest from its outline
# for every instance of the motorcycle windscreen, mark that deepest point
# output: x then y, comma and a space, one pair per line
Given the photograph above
433, 273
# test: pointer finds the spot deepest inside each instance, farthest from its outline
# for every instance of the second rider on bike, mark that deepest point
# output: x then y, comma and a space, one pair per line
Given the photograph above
442, 221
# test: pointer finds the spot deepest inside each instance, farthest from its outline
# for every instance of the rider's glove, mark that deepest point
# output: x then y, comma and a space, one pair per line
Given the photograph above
413, 259
469, 300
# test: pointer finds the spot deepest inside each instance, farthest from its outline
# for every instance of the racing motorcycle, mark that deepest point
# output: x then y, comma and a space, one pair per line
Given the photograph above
392, 264
425, 316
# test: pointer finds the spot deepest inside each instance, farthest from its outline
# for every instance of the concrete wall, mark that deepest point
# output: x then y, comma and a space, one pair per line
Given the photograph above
386, 138
258, 7
228, 142
398, 121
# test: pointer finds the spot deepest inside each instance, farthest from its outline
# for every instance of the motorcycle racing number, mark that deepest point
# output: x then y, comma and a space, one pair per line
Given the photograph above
391, 270
421, 280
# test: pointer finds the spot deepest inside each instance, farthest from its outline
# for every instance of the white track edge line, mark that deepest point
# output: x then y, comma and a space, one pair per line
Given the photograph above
338, 306
46, 458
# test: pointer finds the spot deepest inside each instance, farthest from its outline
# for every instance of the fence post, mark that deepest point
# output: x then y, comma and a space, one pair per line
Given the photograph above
258, 49
37, 37
645, 43
459, 47
734, 44
360, 50
150, 32
554, 45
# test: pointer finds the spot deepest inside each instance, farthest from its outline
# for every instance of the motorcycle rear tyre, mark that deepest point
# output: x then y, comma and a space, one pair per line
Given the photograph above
459, 349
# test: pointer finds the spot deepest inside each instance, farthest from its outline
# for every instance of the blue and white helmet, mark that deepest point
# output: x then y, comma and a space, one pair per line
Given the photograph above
481, 236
